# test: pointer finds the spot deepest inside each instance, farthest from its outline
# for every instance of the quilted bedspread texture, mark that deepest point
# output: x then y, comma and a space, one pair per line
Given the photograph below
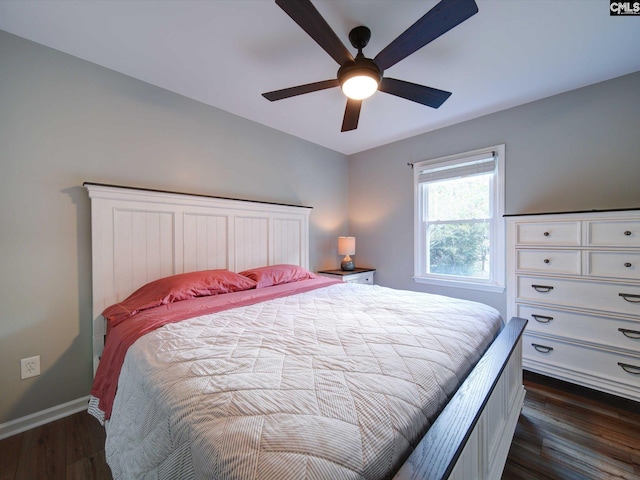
337, 383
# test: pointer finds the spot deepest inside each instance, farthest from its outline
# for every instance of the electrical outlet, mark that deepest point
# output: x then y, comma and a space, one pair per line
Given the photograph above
30, 367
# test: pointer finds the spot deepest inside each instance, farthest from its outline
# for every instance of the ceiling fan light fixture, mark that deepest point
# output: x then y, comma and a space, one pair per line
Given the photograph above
361, 79
359, 87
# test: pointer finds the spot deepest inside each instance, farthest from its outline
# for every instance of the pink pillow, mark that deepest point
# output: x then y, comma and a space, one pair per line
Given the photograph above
176, 288
277, 274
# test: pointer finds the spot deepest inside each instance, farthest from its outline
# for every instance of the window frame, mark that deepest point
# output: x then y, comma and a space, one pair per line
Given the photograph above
496, 281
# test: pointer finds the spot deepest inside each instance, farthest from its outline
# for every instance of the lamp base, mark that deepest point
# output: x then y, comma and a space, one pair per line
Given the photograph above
347, 265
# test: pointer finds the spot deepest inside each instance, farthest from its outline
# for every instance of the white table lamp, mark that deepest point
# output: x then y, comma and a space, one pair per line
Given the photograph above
346, 247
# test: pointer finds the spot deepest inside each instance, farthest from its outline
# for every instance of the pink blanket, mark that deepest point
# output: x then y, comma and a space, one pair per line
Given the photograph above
123, 335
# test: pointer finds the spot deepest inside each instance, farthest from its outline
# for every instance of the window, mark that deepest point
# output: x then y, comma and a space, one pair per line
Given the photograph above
459, 229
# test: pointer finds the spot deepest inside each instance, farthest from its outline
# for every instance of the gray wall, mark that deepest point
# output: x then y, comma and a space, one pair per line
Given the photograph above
64, 121
575, 151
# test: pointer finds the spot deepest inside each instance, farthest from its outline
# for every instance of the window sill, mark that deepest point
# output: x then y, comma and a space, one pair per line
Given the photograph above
486, 287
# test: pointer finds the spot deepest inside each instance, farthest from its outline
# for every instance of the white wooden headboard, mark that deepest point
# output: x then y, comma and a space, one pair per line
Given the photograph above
141, 235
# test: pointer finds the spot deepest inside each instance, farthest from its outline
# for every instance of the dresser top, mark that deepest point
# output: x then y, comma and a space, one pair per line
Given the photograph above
573, 211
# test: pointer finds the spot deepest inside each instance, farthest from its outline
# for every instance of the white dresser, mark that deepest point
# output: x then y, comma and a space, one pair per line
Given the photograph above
576, 278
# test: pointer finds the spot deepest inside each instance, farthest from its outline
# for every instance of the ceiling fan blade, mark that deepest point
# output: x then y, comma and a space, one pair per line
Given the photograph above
440, 19
300, 90
351, 115
431, 97
309, 19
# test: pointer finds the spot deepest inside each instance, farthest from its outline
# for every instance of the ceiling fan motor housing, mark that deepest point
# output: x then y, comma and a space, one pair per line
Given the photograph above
360, 66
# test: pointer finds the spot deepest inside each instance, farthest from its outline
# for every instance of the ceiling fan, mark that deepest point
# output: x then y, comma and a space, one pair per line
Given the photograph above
360, 77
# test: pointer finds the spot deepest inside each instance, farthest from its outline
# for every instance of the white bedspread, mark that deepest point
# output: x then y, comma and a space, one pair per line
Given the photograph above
340, 382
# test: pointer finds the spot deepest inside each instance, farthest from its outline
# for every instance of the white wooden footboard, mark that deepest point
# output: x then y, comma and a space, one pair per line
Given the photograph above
471, 437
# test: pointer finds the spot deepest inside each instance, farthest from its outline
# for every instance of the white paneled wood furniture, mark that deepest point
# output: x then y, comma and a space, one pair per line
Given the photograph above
363, 276
141, 235
576, 278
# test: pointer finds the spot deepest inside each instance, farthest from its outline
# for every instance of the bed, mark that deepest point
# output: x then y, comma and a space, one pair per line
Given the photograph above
227, 358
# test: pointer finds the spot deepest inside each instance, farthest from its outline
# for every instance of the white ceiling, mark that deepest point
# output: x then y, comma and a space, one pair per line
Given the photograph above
225, 53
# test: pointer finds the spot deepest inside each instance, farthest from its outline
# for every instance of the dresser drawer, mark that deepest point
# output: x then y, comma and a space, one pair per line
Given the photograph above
613, 233
614, 332
613, 264
548, 233
548, 261
593, 295
588, 362
364, 278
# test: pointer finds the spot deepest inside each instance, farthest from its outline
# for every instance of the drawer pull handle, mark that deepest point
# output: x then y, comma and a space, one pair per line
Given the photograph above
632, 369
630, 297
542, 348
546, 288
635, 334
627, 233
628, 265
546, 234
546, 260
542, 318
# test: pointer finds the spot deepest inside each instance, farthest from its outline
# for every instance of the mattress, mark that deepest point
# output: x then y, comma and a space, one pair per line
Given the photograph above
340, 382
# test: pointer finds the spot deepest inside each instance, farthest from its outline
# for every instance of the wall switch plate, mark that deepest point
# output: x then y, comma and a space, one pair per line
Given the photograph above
30, 367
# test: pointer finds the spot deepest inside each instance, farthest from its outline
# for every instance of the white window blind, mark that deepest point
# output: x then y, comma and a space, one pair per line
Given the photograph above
475, 165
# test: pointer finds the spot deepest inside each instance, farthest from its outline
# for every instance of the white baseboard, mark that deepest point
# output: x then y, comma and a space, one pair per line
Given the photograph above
28, 422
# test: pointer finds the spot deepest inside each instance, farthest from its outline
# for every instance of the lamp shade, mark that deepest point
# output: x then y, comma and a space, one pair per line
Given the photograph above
346, 245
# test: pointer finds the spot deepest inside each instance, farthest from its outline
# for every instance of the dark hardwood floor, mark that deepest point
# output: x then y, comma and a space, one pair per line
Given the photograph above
71, 448
565, 433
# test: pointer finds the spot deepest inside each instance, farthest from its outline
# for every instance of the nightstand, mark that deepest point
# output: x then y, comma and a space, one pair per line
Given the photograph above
357, 275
